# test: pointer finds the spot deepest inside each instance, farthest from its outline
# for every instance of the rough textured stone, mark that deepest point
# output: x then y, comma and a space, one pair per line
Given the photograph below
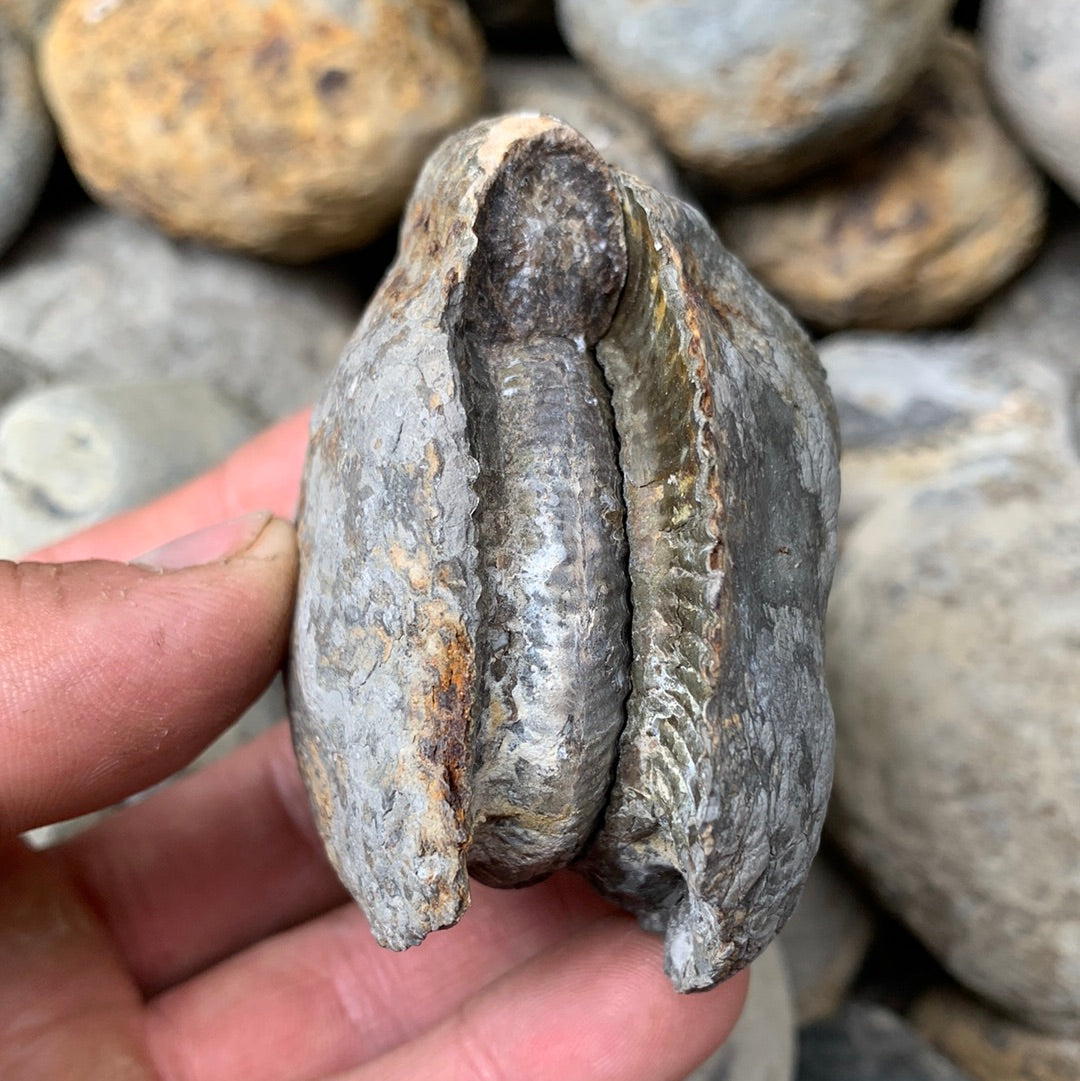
93, 295
762, 1045
866, 1042
988, 1045
26, 139
291, 128
1033, 63
753, 92
953, 632
914, 230
73, 455
563, 88
825, 941
719, 402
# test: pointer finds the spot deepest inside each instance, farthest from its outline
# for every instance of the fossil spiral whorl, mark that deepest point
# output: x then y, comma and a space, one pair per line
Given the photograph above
563, 383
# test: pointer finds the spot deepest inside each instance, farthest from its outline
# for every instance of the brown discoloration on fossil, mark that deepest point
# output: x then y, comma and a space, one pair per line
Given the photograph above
467, 449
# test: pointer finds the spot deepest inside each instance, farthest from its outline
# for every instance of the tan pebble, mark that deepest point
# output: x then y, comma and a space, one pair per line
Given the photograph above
912, 232
292, 128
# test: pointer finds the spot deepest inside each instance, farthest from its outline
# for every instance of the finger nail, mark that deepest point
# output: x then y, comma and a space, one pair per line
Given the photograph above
209, 545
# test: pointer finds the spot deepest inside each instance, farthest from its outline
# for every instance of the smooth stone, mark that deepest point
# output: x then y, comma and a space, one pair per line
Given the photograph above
988, 1045
94, 295
291, 128
1037, 315
28, 18
27, 141
761, 1047
954, 637
913, 231
909, 404
1032, 54
754, 92
564, 89
74, 455
825, 941
18, 374
867, 1042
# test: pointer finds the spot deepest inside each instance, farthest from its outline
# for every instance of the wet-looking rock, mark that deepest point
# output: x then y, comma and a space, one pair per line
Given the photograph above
567, 535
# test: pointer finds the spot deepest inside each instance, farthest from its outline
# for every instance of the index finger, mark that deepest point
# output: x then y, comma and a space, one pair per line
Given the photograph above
263, 474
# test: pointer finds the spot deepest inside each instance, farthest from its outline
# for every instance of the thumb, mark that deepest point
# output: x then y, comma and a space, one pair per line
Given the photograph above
114, 675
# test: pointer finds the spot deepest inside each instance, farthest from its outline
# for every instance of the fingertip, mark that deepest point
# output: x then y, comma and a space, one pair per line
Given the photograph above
113, 676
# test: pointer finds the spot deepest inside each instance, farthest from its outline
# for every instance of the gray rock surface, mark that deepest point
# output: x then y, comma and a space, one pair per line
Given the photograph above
751, 92
762, 1045
988, 1045
27, 141
18, 374
565, 89
1037, 316
72, 455
908, 402
915, 229
95, 295
954, 627
867, 1042
1033, 61
825, 941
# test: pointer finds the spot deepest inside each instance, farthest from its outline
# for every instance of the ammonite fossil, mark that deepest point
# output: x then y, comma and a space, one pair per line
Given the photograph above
567, 535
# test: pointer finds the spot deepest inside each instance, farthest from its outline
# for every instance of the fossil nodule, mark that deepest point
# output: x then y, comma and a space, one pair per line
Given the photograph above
541, 621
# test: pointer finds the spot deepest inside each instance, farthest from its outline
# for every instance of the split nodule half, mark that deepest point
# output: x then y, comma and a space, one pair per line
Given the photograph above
567, 535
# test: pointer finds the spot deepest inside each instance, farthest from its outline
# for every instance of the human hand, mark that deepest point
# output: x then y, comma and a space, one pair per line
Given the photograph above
200, 933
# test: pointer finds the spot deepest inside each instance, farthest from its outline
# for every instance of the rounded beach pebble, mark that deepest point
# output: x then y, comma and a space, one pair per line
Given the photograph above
1033, 62
954, 628
26, 138
292, 128
756, 91
73, 455
912, 232
92, 294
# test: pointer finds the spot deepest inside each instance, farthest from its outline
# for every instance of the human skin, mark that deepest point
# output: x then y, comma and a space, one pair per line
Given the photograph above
200, 933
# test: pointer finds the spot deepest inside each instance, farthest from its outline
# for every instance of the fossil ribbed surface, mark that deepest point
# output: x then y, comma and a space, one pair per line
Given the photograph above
567, 402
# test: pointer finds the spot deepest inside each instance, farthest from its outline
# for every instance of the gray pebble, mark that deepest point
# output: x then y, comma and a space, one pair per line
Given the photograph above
762, 1045
94, 291
1033, 62
753, 92
954, 626
865, 1042
73, 455
27, 141
826, 940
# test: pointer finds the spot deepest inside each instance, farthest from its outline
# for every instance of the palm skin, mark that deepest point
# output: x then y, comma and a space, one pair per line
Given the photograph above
200, 933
